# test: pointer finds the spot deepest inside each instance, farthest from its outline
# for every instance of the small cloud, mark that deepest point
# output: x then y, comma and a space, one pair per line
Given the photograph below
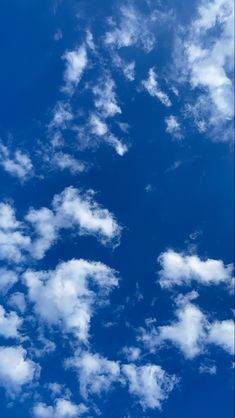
173, 127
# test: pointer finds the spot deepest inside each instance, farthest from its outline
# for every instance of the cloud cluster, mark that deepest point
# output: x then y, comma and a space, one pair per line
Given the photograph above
67, 297
149, 384
182, 269
191, 332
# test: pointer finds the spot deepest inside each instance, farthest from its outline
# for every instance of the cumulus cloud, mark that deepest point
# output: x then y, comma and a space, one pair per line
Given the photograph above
192, 331
7, 279
180, 269
173, 127
96, 373
62, 115
64, 161
152, 87
221, 333
76, 62
69, 295
105, 97
16, 370
13, 241
71, 209
17, 164
9, 324
149, 384
62, 408
132, 29
207, 62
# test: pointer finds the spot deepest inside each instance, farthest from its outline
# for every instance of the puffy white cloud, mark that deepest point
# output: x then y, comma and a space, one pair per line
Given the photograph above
152, 87
173, 127
69, 295
76, 62
77, 209
17, 164
192, 331
7, 279
62, 408
13, 242
182, 269
62, 115
105, 97
207, 61
65, 161
132, 353
132, 29
150, 384
208, 369
72, 209
96, 373
221, 333
9, 324
15, 369
17, 301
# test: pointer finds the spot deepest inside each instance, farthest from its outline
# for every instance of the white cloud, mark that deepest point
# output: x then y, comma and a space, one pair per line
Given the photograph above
13, 242
7, 279
208, 369
96, 373
152, 87
71, 209
105, 97
192, 331
15, 369
9, 324
133, 29
150, 384
62, 408
173, 127
221, 333
132, 353
66, 162
208, 53
69, 295
17, 164
17, 301
76, 62
77, 209
182, 269
127, 68
62, 115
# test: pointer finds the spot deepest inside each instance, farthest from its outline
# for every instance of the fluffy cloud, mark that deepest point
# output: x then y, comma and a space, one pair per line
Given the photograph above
191, 332
222, 334
62, 408
105, 97
13, 242
182, 269
17, 164
71, 209
7, 279
9, 324
76, 62
69, 295
173, 127
152, 87
96, 373
132, 29
207, 61
150, 384
65, 161
15, 369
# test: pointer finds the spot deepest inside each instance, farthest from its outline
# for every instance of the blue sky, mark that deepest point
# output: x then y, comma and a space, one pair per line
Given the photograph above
116, 209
